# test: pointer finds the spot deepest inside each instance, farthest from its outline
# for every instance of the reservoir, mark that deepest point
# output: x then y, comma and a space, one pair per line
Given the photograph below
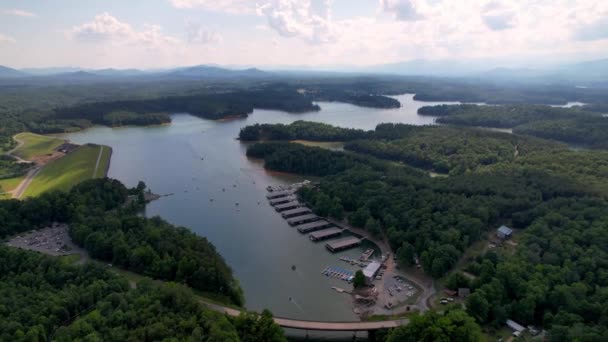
219, 193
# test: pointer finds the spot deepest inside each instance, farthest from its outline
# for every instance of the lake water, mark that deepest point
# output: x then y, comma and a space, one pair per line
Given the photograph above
220, 193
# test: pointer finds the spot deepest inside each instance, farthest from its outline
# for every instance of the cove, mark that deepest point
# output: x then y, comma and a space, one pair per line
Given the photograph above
219, 193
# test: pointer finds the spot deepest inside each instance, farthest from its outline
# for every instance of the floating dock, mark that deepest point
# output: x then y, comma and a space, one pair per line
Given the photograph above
279, 194
324, 234
287, 206
296, 212
336, 272
313, 226
281, 200
294, 221
342, 244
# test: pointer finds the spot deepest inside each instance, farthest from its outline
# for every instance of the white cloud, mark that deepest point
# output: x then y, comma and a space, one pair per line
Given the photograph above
197, 34
106, 28
297, 18
405, 10
228, 6
17, 12
6, 39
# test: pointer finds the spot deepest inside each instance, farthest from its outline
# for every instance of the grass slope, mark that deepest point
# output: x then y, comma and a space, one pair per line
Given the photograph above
64, 173
9, 184
35, 145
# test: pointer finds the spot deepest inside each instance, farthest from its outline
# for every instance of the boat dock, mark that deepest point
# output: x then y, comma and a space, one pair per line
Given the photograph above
342, 244
298, 220
279, 194
325, 234
296, 212
336, 272
281, 200
287, 206
313, 226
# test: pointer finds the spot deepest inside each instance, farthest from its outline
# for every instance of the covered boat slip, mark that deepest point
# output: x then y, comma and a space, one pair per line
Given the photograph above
279, 194
313, 226
287, 206
294, 221
342, 244
325, 234
281, 200
296, 212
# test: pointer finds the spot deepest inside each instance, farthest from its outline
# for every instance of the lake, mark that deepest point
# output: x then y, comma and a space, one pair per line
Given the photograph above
219, 193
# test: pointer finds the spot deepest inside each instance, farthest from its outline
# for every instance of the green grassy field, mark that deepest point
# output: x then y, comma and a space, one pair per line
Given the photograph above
35, 145
64, 173
9, 184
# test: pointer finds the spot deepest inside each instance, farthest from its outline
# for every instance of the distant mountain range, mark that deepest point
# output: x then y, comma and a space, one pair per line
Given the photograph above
584, 72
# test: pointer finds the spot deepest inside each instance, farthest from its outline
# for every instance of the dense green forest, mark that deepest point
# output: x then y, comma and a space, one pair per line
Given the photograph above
101, 223
558, 265
572, 125
44, 298
438, 148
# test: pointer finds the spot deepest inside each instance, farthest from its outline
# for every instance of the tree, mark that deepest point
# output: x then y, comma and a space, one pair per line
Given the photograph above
454, 325
359, 280
456, 280
478, 306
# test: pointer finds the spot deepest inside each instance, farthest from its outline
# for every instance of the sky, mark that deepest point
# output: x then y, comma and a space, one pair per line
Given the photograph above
264, 33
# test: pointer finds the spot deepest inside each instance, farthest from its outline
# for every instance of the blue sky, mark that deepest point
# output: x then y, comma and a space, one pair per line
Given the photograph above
168, 33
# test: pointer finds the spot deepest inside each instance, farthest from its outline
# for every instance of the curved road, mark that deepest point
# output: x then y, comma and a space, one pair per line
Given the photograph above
318, 325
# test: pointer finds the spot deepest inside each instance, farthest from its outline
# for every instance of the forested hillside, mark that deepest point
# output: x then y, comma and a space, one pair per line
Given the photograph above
44, 298
101, 223
575, 125
556, 276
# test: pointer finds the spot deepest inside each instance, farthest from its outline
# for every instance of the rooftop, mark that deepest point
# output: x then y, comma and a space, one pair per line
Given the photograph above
325, 232
342, 243
505, 230
370, 270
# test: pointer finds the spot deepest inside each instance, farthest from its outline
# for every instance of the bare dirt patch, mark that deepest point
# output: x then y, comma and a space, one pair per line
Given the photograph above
53, 240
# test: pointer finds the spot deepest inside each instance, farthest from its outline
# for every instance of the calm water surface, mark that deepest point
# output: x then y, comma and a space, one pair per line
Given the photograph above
220, 193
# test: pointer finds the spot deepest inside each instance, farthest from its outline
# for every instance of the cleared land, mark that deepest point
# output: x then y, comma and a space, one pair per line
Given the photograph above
75, 167
32, 145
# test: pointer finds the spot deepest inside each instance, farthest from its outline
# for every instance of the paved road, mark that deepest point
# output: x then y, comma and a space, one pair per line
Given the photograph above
318, 325
18, 192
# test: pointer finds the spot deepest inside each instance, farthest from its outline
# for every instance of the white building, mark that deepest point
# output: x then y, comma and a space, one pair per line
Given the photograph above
371, 270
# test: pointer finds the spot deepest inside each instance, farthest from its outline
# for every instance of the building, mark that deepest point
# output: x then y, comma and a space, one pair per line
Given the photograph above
504, 232
464, 292
516, 327
371, 270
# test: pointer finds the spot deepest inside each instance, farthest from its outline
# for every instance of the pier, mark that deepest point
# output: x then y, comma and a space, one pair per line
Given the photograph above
296, 212
294, 221
313, 226
287, 206
325, 234
342, 244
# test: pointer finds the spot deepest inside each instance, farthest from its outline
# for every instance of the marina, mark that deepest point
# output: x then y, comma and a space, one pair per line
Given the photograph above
325, 234
296, 212
314, 226
342, 244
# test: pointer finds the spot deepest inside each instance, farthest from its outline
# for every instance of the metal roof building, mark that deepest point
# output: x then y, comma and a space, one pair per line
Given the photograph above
312, 226
504, 232
371, 270
341, 244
